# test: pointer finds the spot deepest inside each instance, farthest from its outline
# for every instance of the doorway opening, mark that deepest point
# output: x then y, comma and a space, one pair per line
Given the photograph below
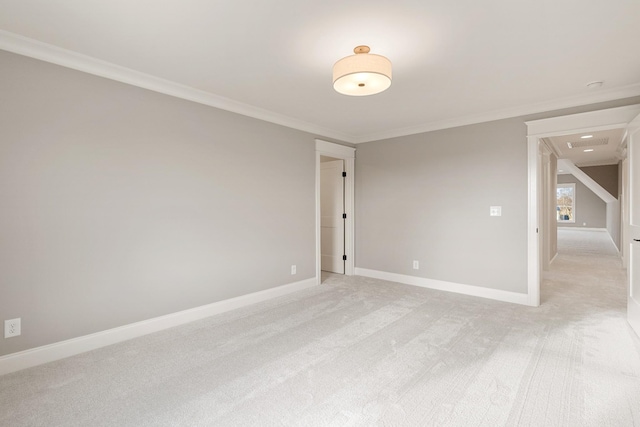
542, 180
335, 220
332, 215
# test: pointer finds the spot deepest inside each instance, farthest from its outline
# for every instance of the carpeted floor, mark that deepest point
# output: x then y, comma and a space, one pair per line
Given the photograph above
363, 352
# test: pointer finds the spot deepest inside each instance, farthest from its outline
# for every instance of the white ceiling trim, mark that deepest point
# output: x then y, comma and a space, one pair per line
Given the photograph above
35, 49
611, 118
45, 52
590, 98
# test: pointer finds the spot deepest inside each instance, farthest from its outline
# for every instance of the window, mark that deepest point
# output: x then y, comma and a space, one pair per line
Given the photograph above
566, 204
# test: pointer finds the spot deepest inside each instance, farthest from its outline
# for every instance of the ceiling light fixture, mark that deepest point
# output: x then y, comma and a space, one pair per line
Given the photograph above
362, 74
588, 150
586, 136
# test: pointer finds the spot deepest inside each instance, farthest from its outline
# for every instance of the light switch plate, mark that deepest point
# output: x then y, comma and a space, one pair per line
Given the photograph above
495, 211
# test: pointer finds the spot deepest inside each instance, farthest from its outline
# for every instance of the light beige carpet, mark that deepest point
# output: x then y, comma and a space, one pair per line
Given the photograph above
363, 352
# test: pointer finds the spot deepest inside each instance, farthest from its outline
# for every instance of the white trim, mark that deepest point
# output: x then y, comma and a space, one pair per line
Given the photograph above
440, 285
572, 186
633, 306
21, 45
612, 118
533, 240
542, 107
70, 59
633, 313
583, 228
332, 149
49, 353
599, 230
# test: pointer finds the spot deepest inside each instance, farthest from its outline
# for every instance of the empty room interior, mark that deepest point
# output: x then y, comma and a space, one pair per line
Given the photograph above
297, 213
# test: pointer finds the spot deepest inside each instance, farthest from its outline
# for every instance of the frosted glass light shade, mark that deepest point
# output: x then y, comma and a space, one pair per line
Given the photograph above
362, 74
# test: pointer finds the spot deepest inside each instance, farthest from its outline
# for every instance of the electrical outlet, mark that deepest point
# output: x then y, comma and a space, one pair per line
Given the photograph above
416, 265
293, 269
12, 328
495, 211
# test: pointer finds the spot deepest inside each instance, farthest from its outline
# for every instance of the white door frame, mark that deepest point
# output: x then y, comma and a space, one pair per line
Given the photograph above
348, 154
612, 118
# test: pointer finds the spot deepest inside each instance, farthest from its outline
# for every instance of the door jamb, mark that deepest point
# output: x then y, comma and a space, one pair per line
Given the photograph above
348, 154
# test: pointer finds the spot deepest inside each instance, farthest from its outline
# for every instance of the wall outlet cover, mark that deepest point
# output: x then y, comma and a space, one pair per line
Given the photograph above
495, 211
12, 328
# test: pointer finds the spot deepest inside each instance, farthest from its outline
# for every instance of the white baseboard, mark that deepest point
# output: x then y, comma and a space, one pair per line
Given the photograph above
476, 291
577, 227
602, 230
59, 350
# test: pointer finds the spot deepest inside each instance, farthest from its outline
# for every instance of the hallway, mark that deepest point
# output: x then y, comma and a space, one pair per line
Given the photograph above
586, 289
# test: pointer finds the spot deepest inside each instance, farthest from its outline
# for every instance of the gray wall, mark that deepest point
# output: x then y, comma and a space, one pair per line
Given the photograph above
426, 197
609, 178
606, 176
614, 222
119, 204
590, 208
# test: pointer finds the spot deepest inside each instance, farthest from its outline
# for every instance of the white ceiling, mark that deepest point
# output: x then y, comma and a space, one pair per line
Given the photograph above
454, 62
606, 146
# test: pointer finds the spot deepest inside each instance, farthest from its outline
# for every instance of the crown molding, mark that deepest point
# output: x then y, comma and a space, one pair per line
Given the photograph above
542, 107
25, 46
45, 52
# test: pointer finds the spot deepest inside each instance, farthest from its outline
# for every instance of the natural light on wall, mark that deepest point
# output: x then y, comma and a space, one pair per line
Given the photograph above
362, 74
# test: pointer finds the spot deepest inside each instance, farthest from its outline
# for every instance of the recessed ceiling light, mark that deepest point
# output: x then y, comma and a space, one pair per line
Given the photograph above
588, 150
586, 136
595, 85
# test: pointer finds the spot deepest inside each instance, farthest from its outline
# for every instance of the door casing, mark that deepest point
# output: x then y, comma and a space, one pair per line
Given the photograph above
348, 154
612, 118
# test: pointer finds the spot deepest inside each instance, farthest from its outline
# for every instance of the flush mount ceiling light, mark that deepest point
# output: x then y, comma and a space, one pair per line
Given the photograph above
586, 136
595, 85
588, 150
362, 74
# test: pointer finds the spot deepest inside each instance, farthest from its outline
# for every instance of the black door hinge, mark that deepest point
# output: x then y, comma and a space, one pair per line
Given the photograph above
344, 216
344, 257
344, 174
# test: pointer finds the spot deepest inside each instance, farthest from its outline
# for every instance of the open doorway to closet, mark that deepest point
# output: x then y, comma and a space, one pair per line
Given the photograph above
335, 235
332, 215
